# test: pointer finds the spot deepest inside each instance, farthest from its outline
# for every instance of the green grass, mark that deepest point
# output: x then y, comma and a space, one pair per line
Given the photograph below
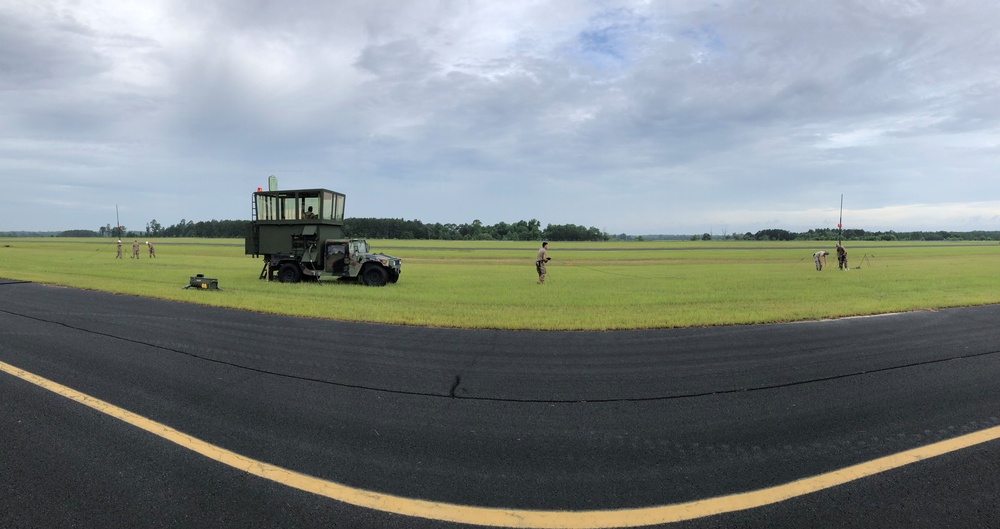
591, 286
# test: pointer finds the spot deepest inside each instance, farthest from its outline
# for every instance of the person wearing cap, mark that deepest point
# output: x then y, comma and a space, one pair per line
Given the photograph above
135, 249
540, 260
841, 257
820, 259
152, 252
119, 256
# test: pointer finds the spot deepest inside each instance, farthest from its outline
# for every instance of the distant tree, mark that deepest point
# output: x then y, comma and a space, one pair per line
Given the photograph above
706, 236
774, 235
572, 232
78, 233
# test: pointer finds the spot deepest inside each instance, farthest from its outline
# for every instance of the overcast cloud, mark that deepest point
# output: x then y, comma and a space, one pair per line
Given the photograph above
637, 117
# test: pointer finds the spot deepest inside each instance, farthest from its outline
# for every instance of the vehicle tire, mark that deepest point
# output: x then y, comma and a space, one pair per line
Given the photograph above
374, 276
289, 273
393, 277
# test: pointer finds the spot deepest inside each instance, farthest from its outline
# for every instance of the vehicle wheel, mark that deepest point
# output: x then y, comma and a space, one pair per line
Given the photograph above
393, 277
374, 276
289, 273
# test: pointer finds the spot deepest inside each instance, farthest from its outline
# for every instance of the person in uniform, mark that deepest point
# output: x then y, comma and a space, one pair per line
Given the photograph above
820, 259
152, 252
119, 256
841, 257
540, 260
135, 249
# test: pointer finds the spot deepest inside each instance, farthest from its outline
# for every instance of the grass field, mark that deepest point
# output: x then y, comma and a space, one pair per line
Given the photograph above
591, 286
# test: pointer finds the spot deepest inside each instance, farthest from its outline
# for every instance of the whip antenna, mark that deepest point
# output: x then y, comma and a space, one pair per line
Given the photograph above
840, 223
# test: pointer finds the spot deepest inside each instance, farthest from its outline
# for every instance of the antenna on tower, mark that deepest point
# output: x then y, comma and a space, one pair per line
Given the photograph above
840, 223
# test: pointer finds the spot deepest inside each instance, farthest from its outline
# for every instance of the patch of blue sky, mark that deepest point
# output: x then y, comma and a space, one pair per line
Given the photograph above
706, 38
610, 34
605, 42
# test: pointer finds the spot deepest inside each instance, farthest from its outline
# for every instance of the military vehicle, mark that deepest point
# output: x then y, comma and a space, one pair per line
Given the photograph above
300, 233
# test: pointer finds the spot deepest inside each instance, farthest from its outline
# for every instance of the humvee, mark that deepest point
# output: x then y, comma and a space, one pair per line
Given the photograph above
300, 233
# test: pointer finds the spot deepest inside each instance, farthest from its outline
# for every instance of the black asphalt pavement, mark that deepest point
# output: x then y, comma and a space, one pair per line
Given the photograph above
525, 420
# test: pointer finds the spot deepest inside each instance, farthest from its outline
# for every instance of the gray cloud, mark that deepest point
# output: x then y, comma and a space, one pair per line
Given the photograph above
629, 116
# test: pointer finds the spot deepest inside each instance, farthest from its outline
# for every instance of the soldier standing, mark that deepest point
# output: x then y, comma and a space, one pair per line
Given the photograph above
540, 261
841, 257
119, 256
152, 252
135, 249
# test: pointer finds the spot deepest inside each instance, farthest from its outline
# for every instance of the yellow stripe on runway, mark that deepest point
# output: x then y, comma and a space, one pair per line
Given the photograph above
513, 517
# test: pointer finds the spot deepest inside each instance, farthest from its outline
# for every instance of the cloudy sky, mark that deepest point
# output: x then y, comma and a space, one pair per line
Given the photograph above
636, 117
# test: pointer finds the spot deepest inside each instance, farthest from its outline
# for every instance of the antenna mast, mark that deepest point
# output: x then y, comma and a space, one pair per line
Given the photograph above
840, 223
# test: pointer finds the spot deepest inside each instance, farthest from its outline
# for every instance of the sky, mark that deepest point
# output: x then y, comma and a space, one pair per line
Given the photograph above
633, 117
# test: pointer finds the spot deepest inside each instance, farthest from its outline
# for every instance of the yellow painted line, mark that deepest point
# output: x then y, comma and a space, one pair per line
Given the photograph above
513, 517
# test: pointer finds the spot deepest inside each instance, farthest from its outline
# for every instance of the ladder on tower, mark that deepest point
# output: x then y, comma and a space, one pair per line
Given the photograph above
253, 231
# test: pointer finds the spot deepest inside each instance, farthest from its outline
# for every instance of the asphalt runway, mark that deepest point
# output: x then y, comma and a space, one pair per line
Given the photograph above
535, 421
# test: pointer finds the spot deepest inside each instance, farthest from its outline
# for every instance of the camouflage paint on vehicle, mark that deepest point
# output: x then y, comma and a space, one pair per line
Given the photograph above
300, 235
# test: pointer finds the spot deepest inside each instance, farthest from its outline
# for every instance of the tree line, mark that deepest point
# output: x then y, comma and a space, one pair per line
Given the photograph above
531, 230
521, 230
833, 234
366, 228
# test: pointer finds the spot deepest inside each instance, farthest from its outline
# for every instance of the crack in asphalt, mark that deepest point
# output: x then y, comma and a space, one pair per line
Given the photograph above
451, 394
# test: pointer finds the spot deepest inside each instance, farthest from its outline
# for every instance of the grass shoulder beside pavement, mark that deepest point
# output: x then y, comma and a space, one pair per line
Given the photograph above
591, 286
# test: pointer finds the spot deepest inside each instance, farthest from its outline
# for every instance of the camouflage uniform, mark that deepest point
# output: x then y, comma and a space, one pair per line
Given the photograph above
152, 252
841, 258
119, 256
135, 249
